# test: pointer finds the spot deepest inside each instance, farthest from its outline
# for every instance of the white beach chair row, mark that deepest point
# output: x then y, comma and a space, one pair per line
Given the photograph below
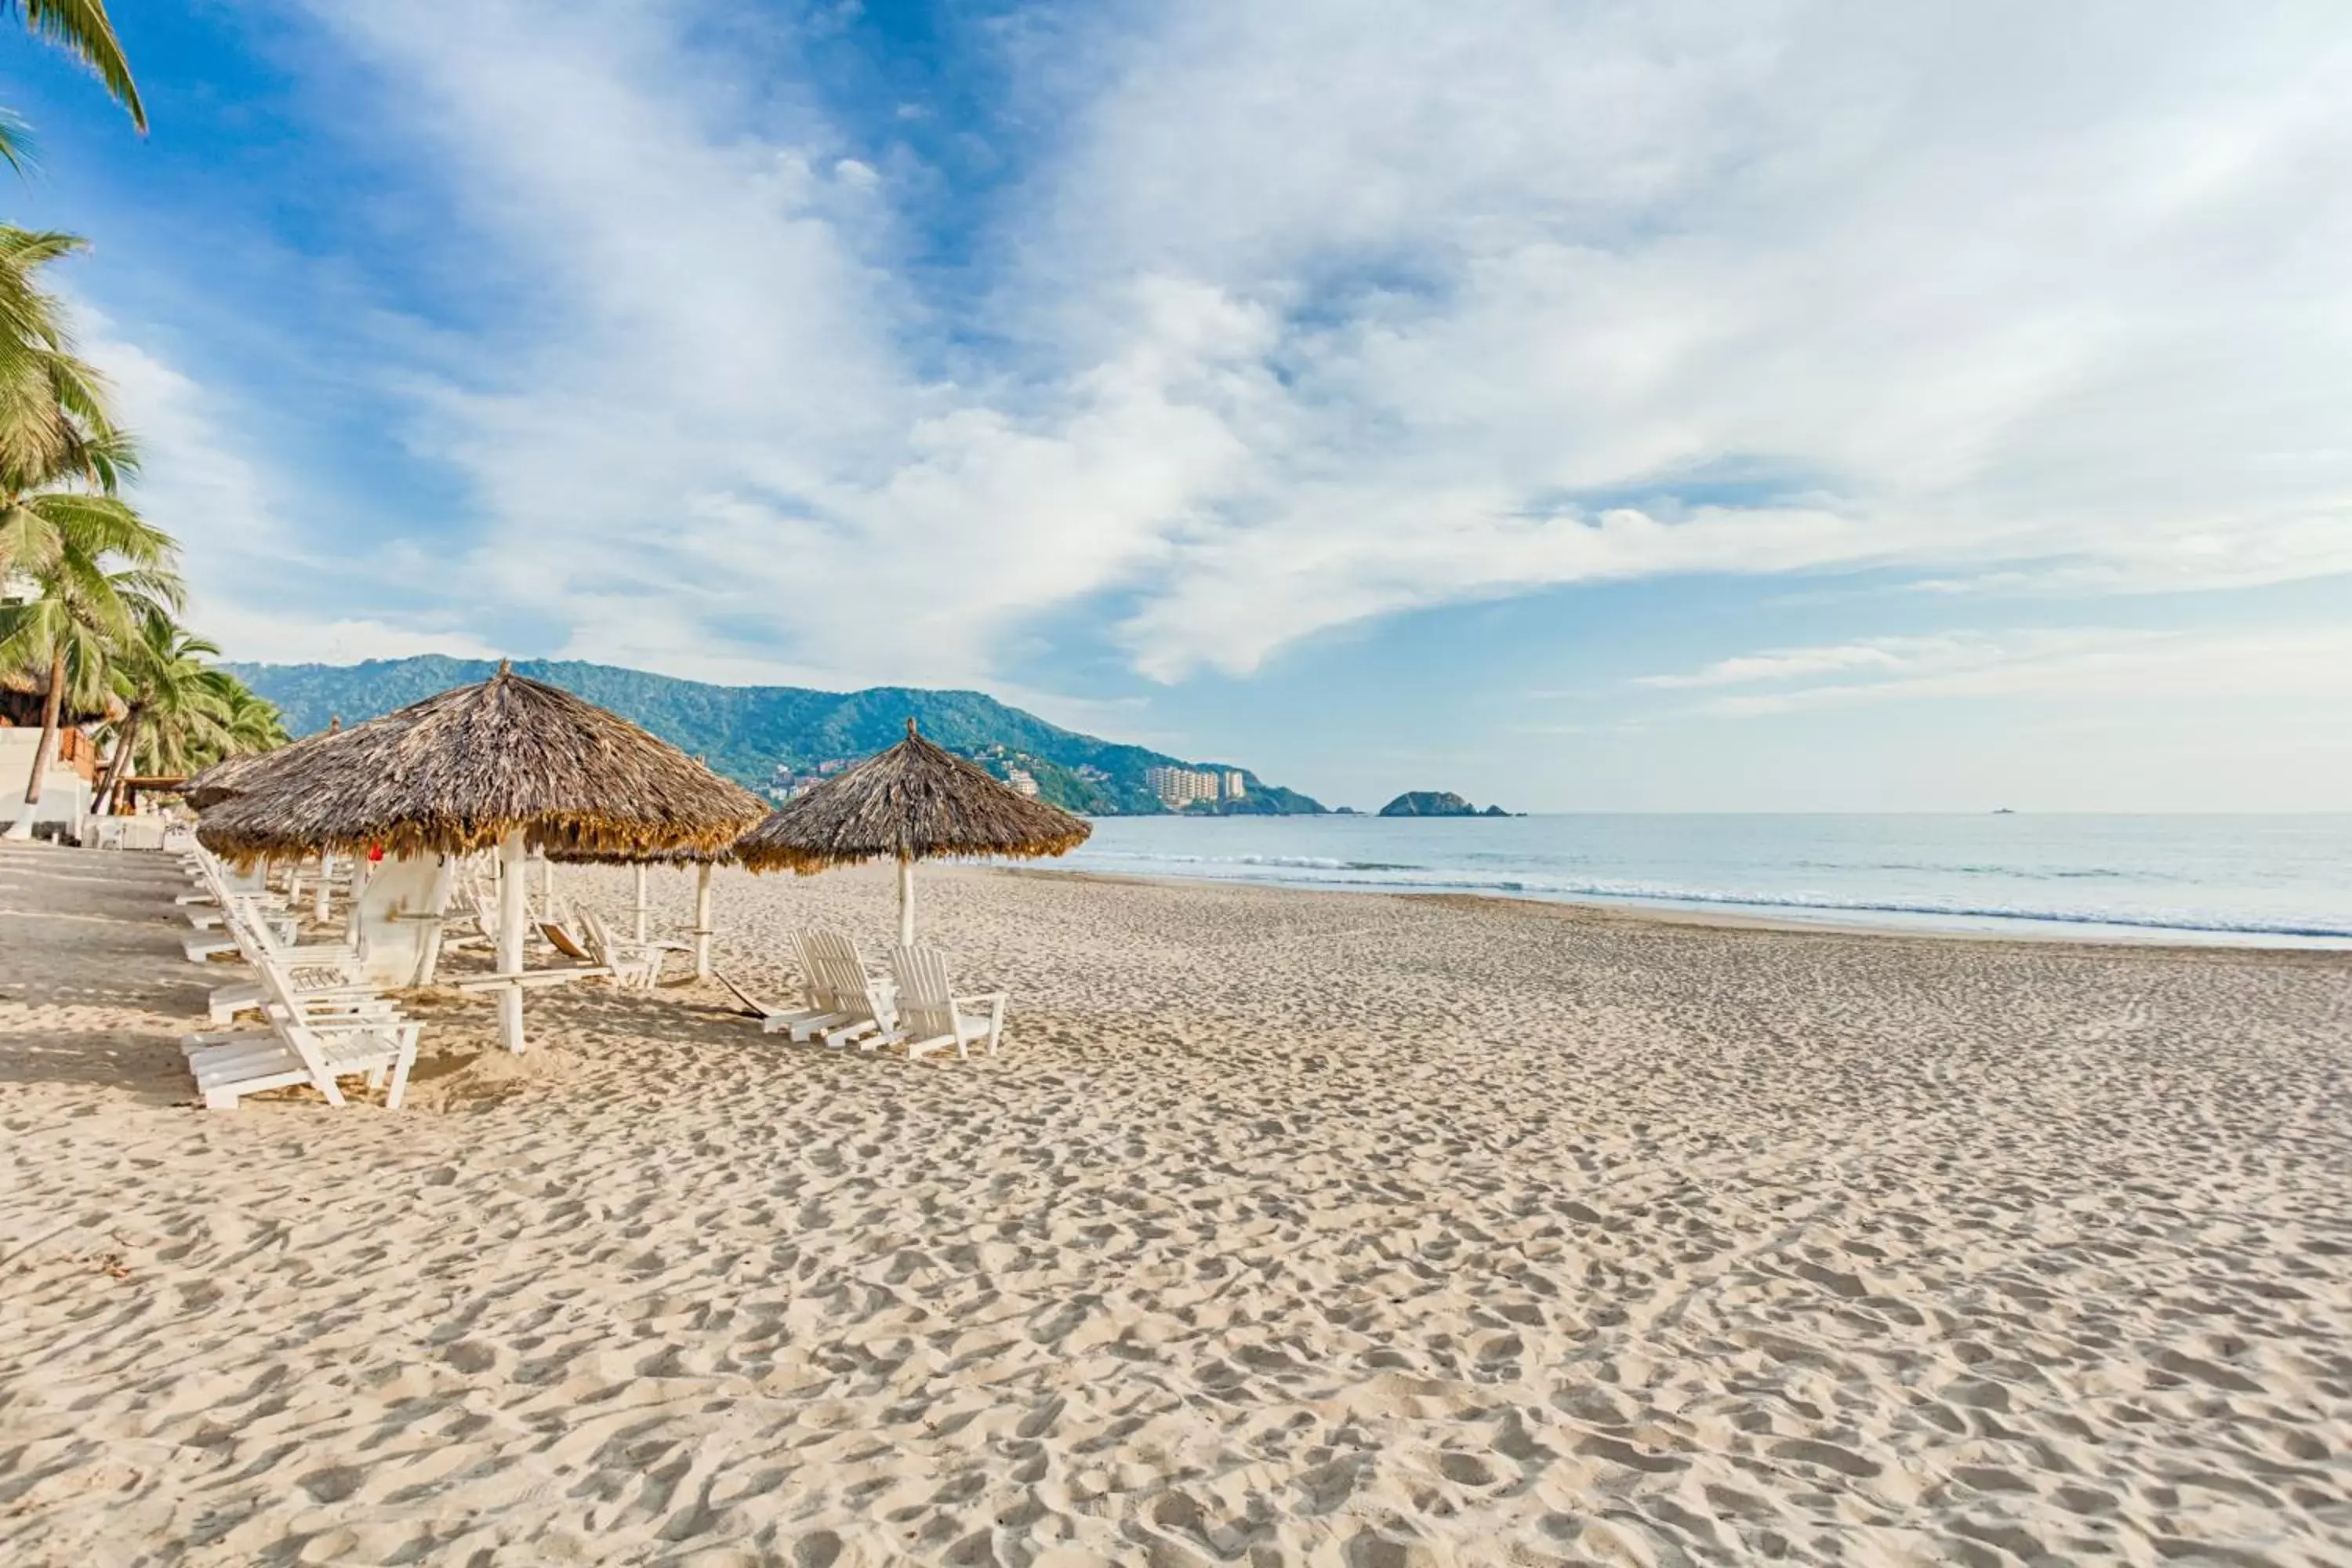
322, 1024
846, 1004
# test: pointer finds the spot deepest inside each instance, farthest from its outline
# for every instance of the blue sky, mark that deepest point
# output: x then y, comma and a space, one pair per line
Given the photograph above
1579, 405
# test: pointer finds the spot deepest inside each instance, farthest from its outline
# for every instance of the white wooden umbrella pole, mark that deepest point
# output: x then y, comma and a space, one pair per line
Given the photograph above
428, 956
642, 912
513, 895
326, 876
702, 922
906, 902
360, 865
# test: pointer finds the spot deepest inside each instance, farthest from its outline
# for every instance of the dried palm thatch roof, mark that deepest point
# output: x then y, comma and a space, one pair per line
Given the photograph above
25, 692
456, 773
232, 776
912, 802
691, 855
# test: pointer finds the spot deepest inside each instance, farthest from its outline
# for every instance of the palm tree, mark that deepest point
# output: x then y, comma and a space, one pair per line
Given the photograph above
238, 722
170, 705
54, 425
89, 605
82, 29
250, 722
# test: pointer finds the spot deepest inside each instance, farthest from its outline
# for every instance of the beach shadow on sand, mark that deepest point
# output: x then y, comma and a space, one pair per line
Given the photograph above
576, 1031
90, 943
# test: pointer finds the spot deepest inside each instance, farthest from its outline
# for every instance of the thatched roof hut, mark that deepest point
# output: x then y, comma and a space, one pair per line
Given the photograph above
229, 777
462, 771
721, 856
509, 763
25, 694
232, 776
914, 802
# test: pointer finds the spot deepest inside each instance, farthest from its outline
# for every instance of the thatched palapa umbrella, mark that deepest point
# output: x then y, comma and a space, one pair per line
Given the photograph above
912, 803
509, 763
227, 779
232, 776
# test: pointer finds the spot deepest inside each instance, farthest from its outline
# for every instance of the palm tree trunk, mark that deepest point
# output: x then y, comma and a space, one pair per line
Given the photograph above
126, 739
51, 710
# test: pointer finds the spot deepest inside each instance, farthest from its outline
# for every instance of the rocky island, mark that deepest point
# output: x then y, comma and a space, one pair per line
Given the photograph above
1436, 803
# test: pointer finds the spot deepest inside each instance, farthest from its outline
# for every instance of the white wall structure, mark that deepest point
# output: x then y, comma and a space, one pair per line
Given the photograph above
65, 794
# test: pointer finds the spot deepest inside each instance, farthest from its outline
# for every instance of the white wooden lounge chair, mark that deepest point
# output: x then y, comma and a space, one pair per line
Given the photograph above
272, 939
206, 946
820, 1007
472, 913
322, 977
860, 1003
227, 1068
931, 1016
635, 967
372, 1042
206, 910
220, 893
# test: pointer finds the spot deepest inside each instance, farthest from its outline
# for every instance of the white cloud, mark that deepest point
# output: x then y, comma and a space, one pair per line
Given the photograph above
256, 587
1787, 663
1907, 655
1326, 311
2084, 662
2069, 302
273, 636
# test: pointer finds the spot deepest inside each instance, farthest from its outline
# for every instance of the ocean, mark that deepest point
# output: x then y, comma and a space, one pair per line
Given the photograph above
2260, 881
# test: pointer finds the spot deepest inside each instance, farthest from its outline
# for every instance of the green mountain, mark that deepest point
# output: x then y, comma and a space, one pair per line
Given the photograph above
749, 732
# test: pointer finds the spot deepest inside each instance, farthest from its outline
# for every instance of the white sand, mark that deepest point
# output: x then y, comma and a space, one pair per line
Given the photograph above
1290, 1227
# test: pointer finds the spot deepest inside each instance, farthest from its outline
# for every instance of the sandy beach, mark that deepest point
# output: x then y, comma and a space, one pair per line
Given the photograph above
1290, 1228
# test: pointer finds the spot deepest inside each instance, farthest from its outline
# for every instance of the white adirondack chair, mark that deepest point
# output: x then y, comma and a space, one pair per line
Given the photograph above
931, 1016
635, 967
293, 1052
372, 1041
861, 1002
820, 1008
320, 977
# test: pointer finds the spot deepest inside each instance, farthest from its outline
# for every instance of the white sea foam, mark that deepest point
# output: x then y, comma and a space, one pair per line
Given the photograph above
2288, 879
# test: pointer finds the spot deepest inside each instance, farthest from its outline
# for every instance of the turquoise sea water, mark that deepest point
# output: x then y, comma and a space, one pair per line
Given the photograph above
2271, 880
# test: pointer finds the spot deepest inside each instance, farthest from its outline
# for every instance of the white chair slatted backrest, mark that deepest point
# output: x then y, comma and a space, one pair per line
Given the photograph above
629, 965
285, 1015
816, 974
856, 990
829, 967
925, 997
262, 946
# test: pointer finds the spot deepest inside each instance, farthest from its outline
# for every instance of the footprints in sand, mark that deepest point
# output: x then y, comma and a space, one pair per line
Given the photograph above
1531, 1239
